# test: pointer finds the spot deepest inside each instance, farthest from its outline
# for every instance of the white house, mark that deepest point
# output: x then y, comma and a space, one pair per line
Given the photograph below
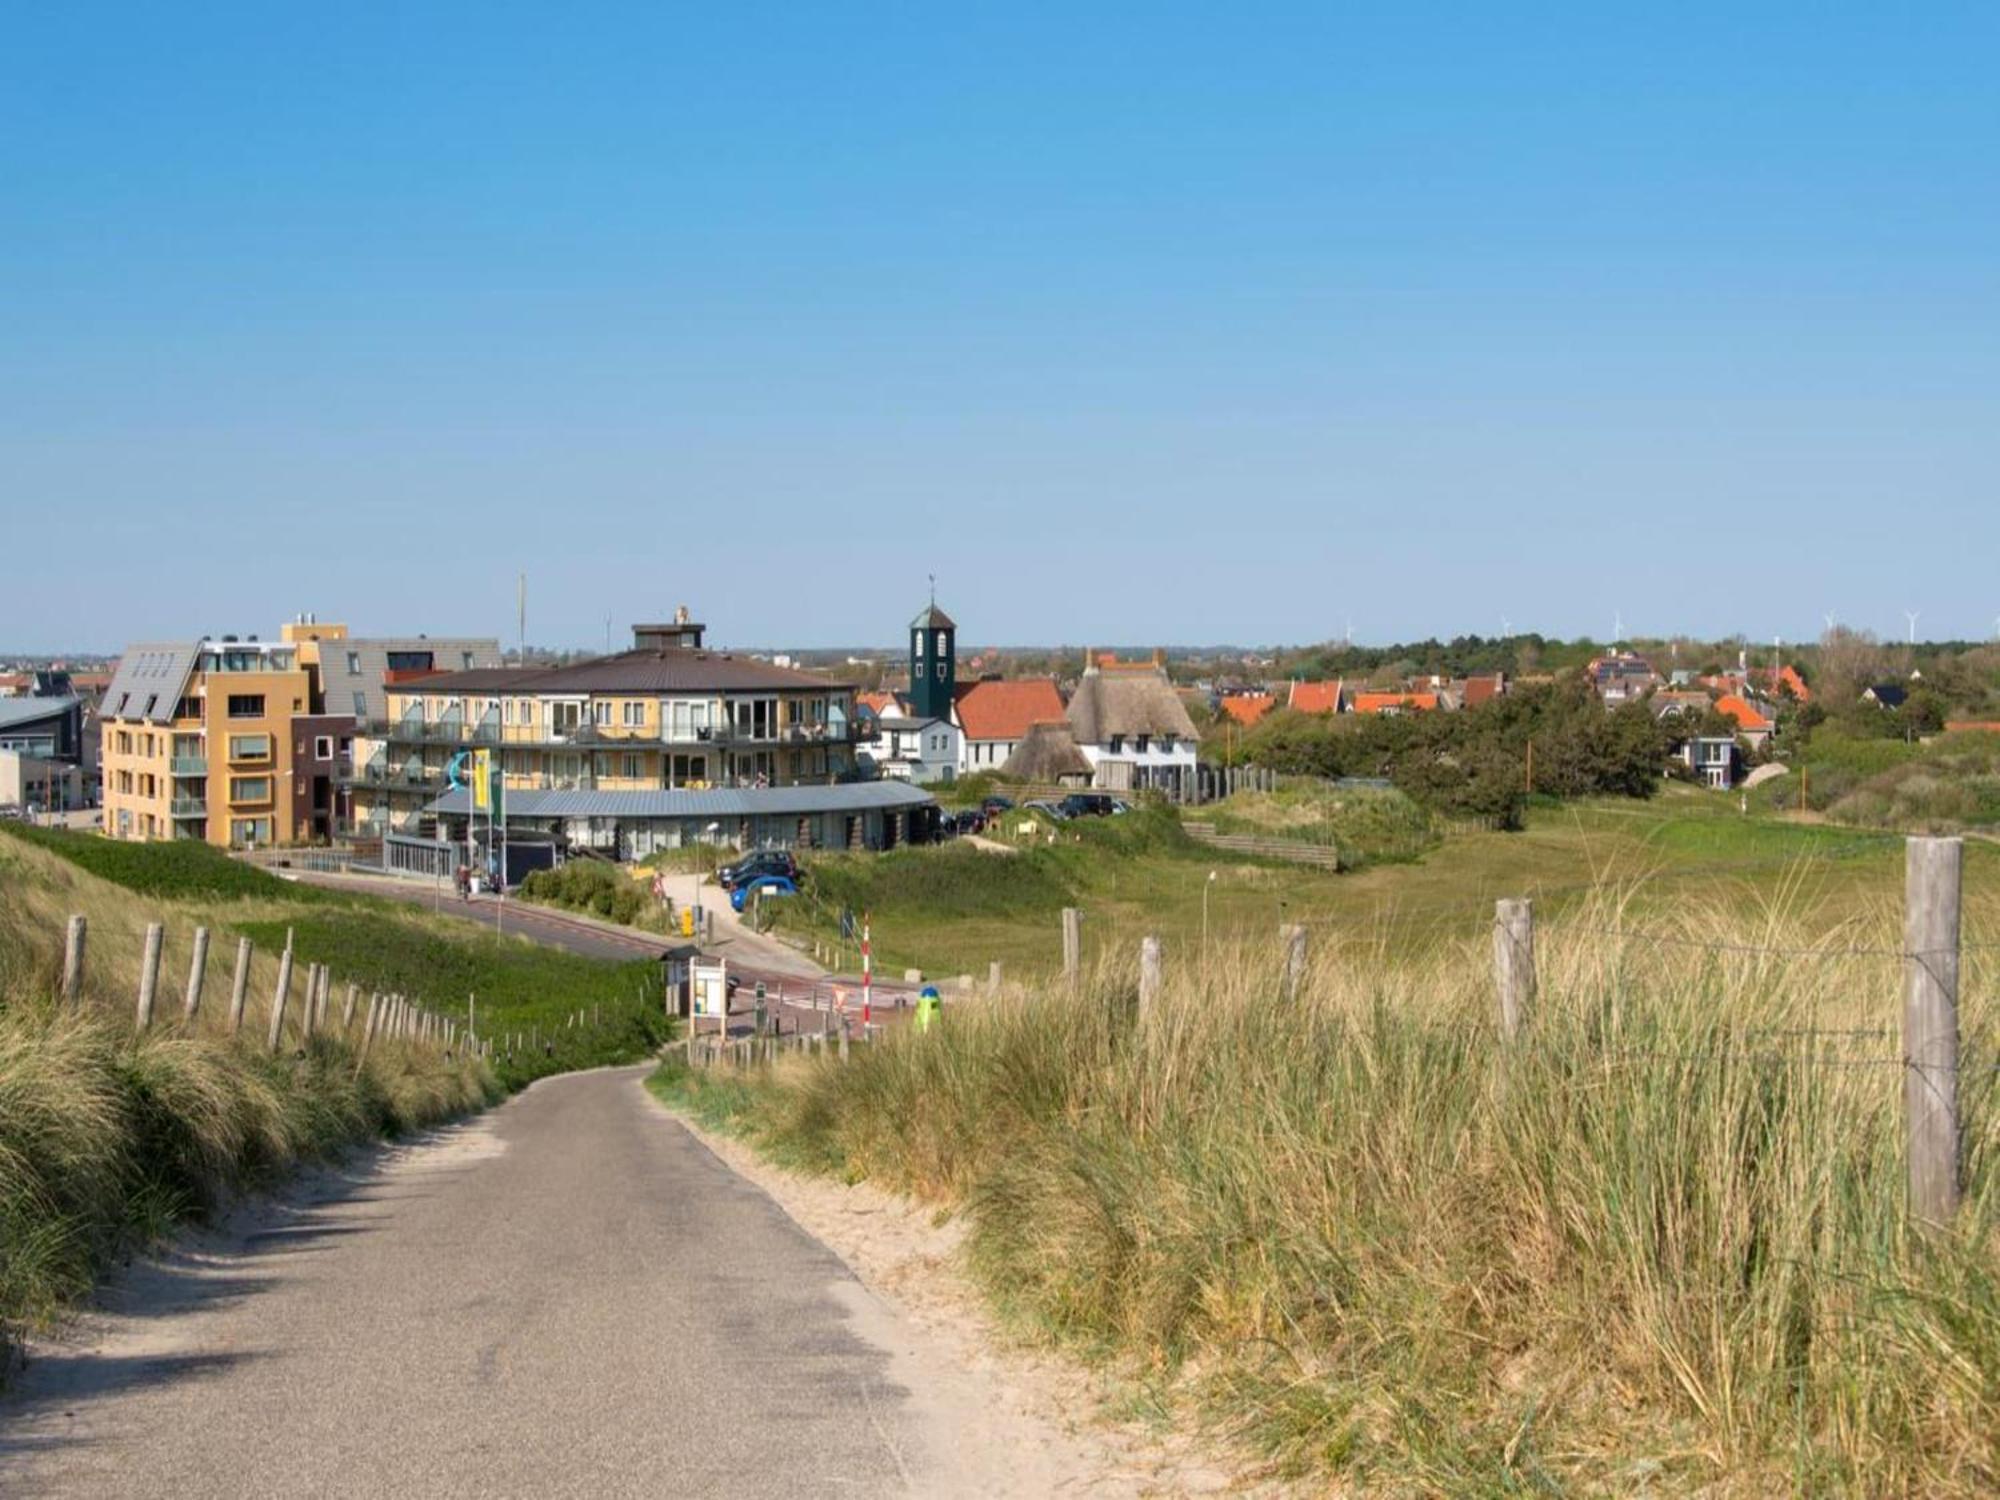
994, 716
912, 749
1131, 725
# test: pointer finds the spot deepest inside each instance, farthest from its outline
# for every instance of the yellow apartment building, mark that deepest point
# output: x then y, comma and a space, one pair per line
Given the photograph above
197, 741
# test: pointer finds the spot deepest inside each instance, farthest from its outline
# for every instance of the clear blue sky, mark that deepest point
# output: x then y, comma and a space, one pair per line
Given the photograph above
1132, 323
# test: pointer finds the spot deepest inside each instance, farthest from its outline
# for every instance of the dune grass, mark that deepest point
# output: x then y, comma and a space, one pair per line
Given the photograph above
109, 1138
1658, 1244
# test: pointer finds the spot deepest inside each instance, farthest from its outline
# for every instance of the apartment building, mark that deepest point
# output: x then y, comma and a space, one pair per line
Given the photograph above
196, 741
241, 741
664, 744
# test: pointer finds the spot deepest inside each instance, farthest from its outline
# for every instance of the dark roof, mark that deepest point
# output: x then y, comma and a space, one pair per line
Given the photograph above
670, 671
933, 618
371, 654
1889, 694
15, 712
714, 802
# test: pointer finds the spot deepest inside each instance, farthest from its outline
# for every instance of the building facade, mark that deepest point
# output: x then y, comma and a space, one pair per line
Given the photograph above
1131, 725
196, 741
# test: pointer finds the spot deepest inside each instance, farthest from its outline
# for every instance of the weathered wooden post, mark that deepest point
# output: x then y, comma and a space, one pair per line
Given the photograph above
149, 973
73, 944
239, 992
368, 1028
1072, 930
1932, 881
197, 973
347, 1010
1293, 936
1513, 962
278, 997
1149, 975
993, 977
310, 998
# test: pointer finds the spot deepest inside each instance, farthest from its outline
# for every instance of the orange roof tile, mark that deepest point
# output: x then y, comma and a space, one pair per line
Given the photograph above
1375, 703
1247, 708
1741, 711
1006, 710
1482, 690
879, 703
1316, 697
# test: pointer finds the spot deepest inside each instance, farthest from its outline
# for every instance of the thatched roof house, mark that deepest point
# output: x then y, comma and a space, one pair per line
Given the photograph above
1047, 756
1131, 725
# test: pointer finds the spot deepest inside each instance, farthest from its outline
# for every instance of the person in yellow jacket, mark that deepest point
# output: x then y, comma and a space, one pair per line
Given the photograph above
927, 1007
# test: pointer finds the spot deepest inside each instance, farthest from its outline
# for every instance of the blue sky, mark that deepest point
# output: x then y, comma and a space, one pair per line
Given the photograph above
1131, 323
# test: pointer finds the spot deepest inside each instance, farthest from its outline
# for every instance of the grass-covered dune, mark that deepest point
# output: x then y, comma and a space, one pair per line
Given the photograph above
1656, 1245
108, 1137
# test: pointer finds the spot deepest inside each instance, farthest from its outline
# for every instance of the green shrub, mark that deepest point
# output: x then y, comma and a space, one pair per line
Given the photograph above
183, 869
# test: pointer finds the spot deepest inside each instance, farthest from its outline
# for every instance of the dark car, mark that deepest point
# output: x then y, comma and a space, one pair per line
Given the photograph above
1088, 805
778, 862
971, 820
993, 806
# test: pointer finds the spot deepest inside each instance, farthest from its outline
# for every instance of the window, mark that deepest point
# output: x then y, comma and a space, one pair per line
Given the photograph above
506, 710
249, 747
1144, 741
600, 711
635, 714
918, 669
360, 704
633, 771
1117, 744
354, 664
151, 699
249, 789
246, 705
941, 648
323, 747
465, 660
249, 830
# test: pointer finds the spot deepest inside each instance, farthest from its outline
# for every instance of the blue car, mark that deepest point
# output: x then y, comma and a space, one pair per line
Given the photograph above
770, 885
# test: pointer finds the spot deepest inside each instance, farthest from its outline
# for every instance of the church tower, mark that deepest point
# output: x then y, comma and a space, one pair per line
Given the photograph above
933, 663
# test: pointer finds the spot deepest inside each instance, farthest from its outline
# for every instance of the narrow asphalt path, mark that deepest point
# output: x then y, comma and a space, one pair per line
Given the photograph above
567, 1296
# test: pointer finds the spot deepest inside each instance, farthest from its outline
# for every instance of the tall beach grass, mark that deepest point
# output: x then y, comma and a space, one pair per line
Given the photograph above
1658, 1243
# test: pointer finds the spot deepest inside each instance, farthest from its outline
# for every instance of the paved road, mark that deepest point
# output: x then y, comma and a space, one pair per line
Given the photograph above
567, 1297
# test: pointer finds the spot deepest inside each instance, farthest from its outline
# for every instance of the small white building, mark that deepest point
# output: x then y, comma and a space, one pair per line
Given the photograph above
1132, 727
910, 749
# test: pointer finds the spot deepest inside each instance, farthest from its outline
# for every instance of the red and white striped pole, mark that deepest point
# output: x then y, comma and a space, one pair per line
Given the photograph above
867, 977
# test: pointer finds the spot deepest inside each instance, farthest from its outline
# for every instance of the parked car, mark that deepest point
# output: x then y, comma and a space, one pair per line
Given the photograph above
761, 887
1089, 805
1050, 810
996, 804
761, 862
957, 824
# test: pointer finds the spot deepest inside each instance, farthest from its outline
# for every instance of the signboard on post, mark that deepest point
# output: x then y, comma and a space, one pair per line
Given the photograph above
708, 991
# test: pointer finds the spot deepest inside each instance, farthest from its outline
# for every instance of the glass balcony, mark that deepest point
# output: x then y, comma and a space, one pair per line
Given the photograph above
190, 765
190, 807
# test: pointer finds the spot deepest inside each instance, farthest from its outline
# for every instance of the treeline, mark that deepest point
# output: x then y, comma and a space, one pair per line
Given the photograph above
1475, 763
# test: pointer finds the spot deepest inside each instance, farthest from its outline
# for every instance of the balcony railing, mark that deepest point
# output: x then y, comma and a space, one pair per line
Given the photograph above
189, 765
189, 807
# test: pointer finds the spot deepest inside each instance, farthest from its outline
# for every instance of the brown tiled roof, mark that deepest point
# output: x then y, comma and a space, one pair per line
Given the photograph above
1316, 697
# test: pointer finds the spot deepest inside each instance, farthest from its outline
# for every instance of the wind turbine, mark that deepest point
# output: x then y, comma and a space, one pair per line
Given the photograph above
1506, 627
1617, 626
1828, 617
1911, 616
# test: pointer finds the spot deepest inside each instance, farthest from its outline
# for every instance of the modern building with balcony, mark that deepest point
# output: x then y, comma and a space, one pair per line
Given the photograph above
666, 744
241, 742
197, 741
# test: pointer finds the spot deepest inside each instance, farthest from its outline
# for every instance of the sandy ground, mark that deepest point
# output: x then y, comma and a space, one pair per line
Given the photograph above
1033, 1403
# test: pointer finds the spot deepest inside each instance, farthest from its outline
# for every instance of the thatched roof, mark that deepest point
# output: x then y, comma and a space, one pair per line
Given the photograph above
1130, 701
1047, 753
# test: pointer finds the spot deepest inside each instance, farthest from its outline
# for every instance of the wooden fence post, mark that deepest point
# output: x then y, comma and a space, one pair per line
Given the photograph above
1072, 930
278, 997
368, 1026
73, 942
310, 1000
1149, 975
240, 991
1293, 935
347, 1010
1932, 881
197, 973
993, 977
1513, 962
149, 973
